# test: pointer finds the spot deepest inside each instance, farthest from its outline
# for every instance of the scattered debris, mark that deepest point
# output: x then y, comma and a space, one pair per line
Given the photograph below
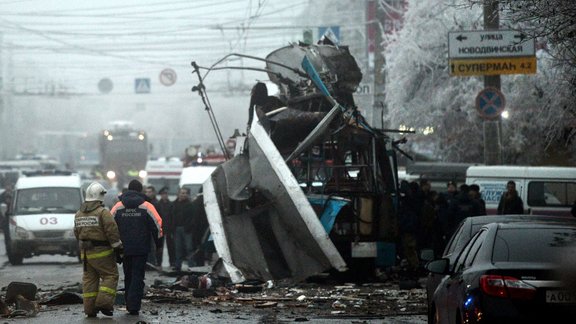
4, 310
266, 305
64, 298
25, 289
29, 307
370, 300
373, 300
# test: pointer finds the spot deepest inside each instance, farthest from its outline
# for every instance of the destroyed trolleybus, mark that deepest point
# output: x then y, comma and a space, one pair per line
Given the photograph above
314, 186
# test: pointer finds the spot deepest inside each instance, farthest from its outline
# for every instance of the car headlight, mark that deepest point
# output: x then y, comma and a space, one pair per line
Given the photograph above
142, 174
22, 233
111, 175
69, 234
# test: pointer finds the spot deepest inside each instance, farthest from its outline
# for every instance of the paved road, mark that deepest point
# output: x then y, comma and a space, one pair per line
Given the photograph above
54, 272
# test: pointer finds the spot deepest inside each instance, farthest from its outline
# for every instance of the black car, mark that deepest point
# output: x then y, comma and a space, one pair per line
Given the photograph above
512, 272
467, 228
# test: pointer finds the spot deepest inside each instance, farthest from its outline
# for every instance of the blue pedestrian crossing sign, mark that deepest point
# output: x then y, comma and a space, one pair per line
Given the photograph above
142, 85
490, 103
331, 32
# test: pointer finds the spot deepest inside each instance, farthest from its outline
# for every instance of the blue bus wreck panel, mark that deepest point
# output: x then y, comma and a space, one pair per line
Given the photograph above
331, 209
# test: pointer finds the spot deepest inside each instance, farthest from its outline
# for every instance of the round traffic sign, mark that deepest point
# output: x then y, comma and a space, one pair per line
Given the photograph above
167, 77
490, 103
105, 85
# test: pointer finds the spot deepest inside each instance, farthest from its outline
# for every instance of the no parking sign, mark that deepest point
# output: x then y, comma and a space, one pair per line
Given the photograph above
167, 77
490, 103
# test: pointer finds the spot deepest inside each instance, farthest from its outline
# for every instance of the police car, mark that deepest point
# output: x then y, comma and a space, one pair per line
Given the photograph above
42, 218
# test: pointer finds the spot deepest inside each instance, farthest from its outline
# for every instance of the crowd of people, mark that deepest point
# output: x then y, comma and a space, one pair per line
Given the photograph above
185, 226
427, 219
133, 233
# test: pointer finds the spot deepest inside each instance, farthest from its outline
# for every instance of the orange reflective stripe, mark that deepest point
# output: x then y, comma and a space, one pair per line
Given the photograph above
155, 216
116, 207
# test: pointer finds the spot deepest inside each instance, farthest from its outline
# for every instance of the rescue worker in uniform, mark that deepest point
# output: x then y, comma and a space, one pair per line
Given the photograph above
138, 222
99, 240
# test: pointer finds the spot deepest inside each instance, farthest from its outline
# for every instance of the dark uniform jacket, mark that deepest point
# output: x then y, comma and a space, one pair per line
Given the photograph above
137, 219
183, 212
164, 208
510, 204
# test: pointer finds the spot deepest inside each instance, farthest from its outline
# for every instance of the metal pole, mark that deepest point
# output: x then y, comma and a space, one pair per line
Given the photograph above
379, 102
492, 136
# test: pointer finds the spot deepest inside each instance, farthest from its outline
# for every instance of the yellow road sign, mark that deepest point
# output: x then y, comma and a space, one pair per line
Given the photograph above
493, 66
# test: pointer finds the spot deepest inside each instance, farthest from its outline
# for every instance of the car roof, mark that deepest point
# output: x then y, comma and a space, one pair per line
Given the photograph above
479, 220
72, 181
521, 225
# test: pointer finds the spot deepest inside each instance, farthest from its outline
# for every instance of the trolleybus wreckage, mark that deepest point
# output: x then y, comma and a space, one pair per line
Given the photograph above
312, 186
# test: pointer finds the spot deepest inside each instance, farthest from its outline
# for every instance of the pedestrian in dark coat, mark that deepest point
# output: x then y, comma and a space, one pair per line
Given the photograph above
408, 224
155, 254
183, 213
461, 207
200, 228
442, 225
138, 222
164, 208
477, 196
510, 202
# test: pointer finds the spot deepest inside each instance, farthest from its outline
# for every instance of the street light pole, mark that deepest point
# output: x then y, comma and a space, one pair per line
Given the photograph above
492, 136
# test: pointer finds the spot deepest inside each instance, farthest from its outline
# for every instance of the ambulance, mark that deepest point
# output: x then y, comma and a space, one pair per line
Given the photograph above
164, 172
544, 190
42, 217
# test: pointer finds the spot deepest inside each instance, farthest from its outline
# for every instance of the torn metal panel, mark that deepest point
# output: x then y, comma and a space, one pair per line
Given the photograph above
290, 126
281, 237
217, 229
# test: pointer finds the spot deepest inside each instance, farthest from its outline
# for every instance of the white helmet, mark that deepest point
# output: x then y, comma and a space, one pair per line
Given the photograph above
95, 191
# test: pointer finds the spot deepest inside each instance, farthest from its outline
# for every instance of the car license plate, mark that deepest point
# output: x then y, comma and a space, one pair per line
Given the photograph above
560, 297
48, 248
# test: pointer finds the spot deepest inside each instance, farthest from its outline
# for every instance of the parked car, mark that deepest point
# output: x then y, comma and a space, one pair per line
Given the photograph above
470, 226
508, 273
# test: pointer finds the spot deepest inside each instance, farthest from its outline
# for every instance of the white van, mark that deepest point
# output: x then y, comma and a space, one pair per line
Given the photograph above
544, 190
164, 172
42, 218
193, 177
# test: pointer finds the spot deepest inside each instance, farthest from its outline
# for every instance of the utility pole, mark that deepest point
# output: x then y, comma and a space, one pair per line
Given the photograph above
492, 135
2, 99
379, 107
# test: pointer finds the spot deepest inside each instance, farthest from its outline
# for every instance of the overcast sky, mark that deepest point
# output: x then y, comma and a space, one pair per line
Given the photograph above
70, 45
76, 43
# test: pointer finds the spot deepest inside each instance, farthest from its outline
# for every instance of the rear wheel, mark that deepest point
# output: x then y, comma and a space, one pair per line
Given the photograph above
15, 258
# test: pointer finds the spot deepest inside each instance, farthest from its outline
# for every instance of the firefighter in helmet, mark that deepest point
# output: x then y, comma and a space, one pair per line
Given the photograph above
100, 247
